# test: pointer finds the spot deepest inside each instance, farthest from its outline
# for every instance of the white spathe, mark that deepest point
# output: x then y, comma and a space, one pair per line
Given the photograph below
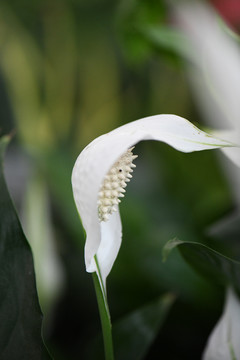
224, 342
93, 163
215, 60
214, 73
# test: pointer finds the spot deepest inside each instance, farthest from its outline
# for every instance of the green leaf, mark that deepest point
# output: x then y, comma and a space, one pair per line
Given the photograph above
20, 314
134, 334
208, 262
166, 38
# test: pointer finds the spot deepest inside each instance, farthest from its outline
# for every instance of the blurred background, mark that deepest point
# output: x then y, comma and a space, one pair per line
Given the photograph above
71, 70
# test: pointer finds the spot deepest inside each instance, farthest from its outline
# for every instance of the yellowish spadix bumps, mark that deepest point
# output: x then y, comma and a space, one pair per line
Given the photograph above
114, 185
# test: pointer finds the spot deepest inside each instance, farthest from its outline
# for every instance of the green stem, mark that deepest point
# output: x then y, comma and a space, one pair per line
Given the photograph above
104, 314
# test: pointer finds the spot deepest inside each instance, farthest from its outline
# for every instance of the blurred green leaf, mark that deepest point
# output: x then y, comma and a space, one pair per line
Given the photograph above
133, 15
208, 262
166, 38
20, 314
134, 334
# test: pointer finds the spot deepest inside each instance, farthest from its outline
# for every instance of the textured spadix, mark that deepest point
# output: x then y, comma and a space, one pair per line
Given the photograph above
114, 185
96, 160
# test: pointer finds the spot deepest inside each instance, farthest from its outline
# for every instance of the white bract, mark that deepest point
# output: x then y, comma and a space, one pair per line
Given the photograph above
223, 343
213, 69
96, 193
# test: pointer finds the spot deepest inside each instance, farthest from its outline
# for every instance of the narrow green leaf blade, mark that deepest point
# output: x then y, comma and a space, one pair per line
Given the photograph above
134, 334
208, 262
20, 314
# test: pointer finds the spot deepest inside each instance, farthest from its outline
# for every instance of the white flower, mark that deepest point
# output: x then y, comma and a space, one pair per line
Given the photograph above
224, 342
103, 157
214, 69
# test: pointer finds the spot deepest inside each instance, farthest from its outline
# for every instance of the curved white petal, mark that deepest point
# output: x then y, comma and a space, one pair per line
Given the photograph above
96, 159
111, 235
223, 343
216, 56
214, 73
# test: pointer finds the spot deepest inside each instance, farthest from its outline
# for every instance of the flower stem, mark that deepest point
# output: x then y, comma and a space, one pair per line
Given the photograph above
105, 317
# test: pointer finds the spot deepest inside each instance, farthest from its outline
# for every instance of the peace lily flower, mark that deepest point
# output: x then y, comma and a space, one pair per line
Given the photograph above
213, 69
102, 170
223, 343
